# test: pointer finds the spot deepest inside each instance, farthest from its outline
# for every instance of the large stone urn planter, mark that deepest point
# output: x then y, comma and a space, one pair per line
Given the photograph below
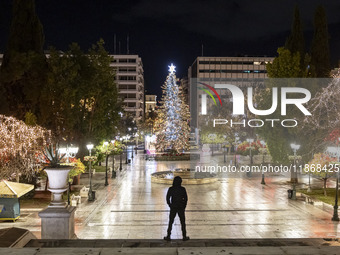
57, 220
57, 184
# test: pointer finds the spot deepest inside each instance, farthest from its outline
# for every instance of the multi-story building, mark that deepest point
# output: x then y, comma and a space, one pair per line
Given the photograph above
150, 104
184, 82
242, 71
229, 67
130, 82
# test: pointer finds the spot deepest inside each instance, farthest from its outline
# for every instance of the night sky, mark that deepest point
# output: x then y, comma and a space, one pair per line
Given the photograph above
164, 32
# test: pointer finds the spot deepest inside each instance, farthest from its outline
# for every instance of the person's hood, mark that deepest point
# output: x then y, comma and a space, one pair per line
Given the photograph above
177, 181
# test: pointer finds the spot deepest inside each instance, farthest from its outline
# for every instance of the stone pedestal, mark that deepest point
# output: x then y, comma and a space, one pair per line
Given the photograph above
57, 223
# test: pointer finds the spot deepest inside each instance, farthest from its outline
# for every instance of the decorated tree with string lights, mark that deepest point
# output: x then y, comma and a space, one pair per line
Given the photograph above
325, 106
20, 147
324, 123
172, 123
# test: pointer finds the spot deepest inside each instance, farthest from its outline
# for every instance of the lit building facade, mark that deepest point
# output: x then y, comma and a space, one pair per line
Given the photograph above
150, 104
241, 71
130, 83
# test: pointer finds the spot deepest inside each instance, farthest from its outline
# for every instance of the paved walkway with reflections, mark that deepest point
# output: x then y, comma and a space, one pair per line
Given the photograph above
132, 207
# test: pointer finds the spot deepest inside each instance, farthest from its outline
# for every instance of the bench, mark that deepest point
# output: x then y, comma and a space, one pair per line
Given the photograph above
84, 192
75, 200
311, 200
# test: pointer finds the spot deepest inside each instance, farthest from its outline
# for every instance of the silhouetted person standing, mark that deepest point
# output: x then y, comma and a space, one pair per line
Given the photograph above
177, 200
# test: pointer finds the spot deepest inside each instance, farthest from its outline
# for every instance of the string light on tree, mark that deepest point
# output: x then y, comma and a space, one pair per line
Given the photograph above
172, 128
325, 107
19, 146
324, 123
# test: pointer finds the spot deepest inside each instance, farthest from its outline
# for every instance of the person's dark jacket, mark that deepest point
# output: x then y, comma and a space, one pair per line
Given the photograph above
177, 197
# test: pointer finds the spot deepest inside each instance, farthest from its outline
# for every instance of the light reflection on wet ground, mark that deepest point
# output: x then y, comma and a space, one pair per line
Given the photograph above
132, 207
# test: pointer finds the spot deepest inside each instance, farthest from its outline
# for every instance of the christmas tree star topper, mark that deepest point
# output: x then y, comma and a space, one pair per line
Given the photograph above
172, 68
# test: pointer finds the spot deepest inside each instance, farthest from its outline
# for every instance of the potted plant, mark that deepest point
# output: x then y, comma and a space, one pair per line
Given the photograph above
57, 175
76, 171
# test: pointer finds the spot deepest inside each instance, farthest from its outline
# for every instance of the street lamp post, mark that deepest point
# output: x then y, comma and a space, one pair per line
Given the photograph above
336, 151
335, 212
309, 189
132, 147
250, 141
295, 148
263, 143
263, 161
113, 161
126, 149
235, 149
90, 194
106, 144
235, 154
121, 161
121, 157
126, 138
136, 148
224, 153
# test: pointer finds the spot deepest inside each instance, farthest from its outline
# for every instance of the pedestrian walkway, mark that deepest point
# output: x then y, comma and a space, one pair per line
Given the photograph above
132, 207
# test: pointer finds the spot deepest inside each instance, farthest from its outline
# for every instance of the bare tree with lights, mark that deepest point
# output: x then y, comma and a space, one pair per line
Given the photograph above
325, 106
325, 118
19, 147
172, 123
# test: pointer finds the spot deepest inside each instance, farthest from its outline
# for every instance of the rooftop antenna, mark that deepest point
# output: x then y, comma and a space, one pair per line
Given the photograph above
114, 44
202, 49
127, 45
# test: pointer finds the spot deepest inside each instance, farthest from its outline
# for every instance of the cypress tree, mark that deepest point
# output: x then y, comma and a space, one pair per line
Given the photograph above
24, 67
320, 59
296, 42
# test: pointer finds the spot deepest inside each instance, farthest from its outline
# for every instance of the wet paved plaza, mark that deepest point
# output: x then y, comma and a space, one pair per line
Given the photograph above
132, 207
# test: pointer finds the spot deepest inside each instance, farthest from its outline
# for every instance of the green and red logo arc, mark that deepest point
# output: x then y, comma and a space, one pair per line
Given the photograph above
209, 93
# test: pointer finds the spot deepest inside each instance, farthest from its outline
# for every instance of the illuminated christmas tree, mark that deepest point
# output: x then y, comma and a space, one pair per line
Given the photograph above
172, 123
